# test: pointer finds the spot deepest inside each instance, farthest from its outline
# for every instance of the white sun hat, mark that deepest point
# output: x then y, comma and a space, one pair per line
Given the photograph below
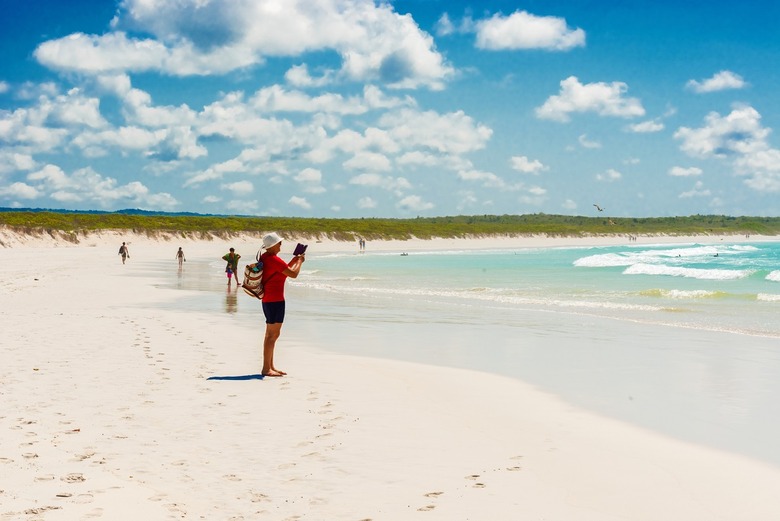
272, 239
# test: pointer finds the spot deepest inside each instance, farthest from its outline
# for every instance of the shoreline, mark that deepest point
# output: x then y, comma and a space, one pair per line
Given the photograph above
121, 408
14, 239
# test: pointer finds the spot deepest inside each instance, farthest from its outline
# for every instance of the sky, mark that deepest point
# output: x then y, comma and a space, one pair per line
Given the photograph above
406, 108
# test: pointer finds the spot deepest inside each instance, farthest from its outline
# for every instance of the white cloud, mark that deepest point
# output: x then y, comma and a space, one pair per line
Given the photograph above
526, 165
522, 30
739, 138
19, 191
366, 203
586, 143
697, 191
239, 188
414, 203
300, 202
211, 199
609, 176
11, 161
740, 132
488, 179
451, 133
646, 127
298, 76
86, 184
311, 180
389, 183
723, 80
217, 36
4, 87
370, 161
569, 204
679, 171
605, 99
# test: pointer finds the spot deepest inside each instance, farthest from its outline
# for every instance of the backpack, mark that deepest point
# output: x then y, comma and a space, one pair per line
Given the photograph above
253, 279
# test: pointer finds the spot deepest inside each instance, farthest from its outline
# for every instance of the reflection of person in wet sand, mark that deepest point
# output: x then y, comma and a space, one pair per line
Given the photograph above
275, 273
232, 265
231, 301
180, 256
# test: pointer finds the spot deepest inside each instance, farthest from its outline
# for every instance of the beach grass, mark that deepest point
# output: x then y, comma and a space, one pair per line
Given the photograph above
74, 224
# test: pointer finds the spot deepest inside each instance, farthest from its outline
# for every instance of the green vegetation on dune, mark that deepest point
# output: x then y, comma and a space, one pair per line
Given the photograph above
378, 228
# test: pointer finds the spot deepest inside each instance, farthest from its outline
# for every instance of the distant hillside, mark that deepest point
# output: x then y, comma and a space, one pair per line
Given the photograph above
139, 221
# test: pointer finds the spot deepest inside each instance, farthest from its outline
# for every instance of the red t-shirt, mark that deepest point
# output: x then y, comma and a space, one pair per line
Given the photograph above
273, 277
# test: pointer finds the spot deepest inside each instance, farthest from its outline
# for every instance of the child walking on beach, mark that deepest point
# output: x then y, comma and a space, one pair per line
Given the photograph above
275, 273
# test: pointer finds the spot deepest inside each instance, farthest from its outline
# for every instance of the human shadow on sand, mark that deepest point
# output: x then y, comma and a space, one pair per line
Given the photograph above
240, 377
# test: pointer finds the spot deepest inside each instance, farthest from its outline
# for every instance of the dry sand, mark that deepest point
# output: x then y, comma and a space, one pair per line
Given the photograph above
108, 412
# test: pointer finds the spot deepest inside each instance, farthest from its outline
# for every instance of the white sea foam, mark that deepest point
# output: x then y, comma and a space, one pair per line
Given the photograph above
693, 273
768, 297
660, 256
774, 276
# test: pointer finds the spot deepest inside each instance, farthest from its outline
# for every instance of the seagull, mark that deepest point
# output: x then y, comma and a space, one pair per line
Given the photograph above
599, 208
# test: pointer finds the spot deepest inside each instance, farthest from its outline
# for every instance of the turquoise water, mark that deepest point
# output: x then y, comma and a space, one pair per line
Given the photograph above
721, 287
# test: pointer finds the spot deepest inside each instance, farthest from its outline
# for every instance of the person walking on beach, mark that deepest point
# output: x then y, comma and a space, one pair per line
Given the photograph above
275, 274
232, 265
180, 256
124, 252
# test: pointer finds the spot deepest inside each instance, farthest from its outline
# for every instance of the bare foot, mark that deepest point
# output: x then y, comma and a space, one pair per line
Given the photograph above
278, 371
273, 373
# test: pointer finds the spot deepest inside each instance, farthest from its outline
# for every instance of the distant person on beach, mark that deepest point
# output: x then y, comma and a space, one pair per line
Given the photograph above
232, 265
275, 273
180, 256
124, 252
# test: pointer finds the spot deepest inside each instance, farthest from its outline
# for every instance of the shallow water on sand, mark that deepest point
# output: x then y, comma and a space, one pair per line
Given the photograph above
645, 348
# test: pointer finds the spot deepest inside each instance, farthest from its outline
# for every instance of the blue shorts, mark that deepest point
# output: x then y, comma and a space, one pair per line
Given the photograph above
274, 312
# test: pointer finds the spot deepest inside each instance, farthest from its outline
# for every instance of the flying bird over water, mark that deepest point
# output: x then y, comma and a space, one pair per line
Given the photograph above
599, 208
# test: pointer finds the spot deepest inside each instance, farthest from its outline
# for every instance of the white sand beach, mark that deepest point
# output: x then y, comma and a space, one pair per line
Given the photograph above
108, 413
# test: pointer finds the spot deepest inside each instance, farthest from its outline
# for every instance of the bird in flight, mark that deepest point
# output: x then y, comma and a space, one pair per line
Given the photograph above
599, 208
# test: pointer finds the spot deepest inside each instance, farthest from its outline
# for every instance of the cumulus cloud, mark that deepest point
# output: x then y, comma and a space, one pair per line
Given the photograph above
300, 202
679, 171
19, 190
646, 127
723, 80
11, 161
414, 203
740, 139
526, 165
366, 203
609, 176
587, 143
4, 87
605, 99
522, 30
87, 185
239, 188
698, 190
389, 183
311, 180
217, 36
451, 133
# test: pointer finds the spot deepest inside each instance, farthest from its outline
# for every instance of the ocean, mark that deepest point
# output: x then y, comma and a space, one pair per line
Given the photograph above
680, 339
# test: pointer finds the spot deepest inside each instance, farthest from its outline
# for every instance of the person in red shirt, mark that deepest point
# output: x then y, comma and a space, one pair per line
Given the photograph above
275, 273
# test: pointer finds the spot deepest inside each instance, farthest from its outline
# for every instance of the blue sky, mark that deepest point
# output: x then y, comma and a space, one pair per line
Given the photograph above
353, 108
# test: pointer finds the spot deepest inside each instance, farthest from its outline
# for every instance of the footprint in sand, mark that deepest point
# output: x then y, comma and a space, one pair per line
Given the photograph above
434, 494
426, 508
73, 477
